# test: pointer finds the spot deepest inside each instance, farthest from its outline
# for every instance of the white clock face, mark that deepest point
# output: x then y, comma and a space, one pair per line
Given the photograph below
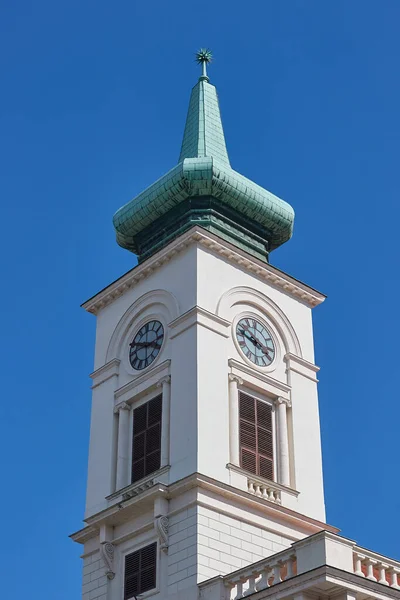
255, 341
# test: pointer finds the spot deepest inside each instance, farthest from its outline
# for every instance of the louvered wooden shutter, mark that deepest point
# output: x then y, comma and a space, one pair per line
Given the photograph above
255, 436
146, 451
140, 571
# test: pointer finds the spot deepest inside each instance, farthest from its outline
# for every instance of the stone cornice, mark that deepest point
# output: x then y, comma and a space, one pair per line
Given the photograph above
123, 509
277, 388
105, 372
134, 489
199, 316
301, 366
130, 505
142, 383
85, 534
234, 255
276, 511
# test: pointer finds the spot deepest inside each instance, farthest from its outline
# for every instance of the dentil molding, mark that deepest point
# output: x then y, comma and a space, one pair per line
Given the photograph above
213, 243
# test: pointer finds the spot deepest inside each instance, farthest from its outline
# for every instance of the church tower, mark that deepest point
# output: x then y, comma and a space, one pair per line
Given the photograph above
205, 452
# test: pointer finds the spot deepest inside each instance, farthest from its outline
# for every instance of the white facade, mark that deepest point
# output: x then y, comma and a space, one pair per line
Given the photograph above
208, 516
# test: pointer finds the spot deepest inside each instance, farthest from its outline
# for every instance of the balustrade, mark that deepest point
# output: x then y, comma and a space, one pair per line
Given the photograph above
263, 490
261, 575
371, 566
302, 557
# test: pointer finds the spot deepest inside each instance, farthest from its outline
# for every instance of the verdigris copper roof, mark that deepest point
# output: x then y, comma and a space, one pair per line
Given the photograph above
204, 190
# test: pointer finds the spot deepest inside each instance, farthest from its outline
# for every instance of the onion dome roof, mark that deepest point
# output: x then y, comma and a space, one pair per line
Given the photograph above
203, 189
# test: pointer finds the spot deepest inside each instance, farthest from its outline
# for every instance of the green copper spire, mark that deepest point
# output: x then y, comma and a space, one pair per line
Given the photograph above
204, 135
203, 190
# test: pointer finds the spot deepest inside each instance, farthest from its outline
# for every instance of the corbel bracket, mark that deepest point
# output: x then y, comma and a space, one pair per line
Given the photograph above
107, 552
161, 525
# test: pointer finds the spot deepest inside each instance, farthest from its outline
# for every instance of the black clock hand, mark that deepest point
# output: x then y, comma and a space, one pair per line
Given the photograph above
256, 342
250, 337
146, 344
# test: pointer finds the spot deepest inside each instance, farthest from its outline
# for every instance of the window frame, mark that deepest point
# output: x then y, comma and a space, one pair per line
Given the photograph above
144, 399
270, 401
135, 548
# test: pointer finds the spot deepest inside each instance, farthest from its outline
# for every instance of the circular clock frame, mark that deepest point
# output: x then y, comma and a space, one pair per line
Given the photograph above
146, 344
256, 342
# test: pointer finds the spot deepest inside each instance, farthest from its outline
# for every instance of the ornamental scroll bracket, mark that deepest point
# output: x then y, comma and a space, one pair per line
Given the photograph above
161, 525
107, 552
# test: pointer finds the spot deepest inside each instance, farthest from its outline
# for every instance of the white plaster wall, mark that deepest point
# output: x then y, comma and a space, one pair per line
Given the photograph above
306, 449
178, 277
101, 447
215, 276
199, 433
212, 404
184, 417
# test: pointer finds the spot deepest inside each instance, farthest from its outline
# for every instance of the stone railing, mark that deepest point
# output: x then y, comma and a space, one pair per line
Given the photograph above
263, 490
376, 567
321, 550
261, 575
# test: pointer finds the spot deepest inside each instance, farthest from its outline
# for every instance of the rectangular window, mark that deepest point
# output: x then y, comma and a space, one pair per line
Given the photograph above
255, 436
140, 571
146, 451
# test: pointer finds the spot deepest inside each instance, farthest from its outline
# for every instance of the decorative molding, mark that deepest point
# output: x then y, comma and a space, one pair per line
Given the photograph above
139, 489
269, 310
301, 361
202, 317
119, 512
258, 478
107, 551
105, 372
161, 525
235, 378
164, 381
154, 304
297, 364
280, 400
121, 406
268, 383
135, 489
143, 383
229, 252
84, 535
249, 502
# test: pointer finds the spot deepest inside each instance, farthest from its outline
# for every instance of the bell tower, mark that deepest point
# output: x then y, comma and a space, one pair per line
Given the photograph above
205, 449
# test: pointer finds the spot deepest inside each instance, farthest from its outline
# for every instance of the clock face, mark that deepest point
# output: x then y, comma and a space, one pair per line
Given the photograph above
255, 341
146, 345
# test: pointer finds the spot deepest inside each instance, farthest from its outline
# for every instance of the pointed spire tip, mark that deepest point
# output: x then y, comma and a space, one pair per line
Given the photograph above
203, 57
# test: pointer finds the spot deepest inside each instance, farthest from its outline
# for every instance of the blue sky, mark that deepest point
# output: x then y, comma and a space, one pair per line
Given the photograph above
93, 104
